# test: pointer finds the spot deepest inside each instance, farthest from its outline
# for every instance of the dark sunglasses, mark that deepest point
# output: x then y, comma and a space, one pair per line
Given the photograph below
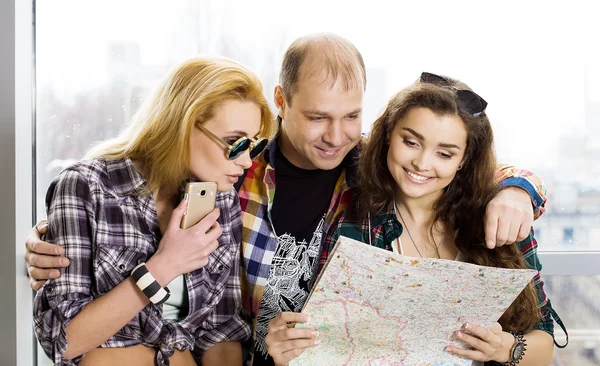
242, 144
468, 99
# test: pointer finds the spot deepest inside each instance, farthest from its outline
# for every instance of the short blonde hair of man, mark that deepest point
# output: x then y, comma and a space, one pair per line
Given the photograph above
159, 133
319, 53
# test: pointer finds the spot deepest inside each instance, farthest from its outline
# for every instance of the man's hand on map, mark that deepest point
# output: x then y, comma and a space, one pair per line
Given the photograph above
508, 217
488, 344
284, 342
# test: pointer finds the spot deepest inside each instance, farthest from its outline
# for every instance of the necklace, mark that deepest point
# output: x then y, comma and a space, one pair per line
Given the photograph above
437, 246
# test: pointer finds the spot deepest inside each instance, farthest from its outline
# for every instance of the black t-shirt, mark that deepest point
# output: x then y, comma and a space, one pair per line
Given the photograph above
302, 198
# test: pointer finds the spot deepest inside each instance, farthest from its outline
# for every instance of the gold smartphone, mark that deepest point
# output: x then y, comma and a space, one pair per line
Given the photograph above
201, 201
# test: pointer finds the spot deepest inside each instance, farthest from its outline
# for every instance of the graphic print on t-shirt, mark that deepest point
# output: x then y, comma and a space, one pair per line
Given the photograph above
290, 280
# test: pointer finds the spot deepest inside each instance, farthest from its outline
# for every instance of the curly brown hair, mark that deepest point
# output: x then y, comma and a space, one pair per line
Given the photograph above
461, 209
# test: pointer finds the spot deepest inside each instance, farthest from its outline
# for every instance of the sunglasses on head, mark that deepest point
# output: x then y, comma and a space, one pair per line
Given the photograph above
235, 150
467, 99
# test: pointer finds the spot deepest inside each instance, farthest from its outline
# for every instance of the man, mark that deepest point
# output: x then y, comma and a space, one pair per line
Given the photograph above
310, 162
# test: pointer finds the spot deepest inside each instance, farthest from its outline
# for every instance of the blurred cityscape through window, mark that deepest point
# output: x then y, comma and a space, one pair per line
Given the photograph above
534, 64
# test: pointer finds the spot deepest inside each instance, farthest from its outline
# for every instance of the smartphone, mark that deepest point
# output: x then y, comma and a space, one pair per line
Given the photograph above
201, 201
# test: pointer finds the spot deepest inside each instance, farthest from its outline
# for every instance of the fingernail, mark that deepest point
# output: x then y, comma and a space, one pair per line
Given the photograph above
54, 274
466, 326
186, 196
490, 244
315, 333
64, 262
317, 341
43, 226
448, 349
459, 334
305, 318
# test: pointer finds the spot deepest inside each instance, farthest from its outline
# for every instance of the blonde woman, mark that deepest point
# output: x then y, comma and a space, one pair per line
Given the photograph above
117, 215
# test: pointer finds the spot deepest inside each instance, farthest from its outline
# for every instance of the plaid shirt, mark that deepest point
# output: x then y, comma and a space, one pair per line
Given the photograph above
259, 241
107, 228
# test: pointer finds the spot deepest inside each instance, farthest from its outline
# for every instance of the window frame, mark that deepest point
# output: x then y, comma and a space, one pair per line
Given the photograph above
569, 263
18, 346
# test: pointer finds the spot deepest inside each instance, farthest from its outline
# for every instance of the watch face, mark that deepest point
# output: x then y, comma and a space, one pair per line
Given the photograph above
517, 351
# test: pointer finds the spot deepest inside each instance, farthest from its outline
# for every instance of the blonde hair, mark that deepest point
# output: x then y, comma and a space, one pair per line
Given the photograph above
315, 53
159, 133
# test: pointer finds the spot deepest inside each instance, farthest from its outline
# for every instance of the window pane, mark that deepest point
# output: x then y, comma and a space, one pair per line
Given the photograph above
576, 299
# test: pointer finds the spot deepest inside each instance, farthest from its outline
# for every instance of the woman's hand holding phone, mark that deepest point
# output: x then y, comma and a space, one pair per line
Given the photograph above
184, 250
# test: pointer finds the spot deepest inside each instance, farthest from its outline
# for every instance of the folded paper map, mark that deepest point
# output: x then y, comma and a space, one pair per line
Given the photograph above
374, 307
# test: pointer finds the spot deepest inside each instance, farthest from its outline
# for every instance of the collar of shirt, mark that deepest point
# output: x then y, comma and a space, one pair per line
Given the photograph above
384, 229
125, 180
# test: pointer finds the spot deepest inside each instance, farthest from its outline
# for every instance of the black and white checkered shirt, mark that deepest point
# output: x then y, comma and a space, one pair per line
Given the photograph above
107, 228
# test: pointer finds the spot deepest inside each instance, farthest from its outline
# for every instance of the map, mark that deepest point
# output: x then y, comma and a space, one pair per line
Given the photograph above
374, 307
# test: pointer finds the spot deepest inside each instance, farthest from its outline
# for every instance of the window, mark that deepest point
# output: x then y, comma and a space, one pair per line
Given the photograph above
536, 67
575, 299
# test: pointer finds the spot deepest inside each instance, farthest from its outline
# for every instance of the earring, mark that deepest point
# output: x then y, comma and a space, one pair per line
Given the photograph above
460, 167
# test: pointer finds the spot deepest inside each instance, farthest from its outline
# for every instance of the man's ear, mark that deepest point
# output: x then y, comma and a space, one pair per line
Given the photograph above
279, 101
